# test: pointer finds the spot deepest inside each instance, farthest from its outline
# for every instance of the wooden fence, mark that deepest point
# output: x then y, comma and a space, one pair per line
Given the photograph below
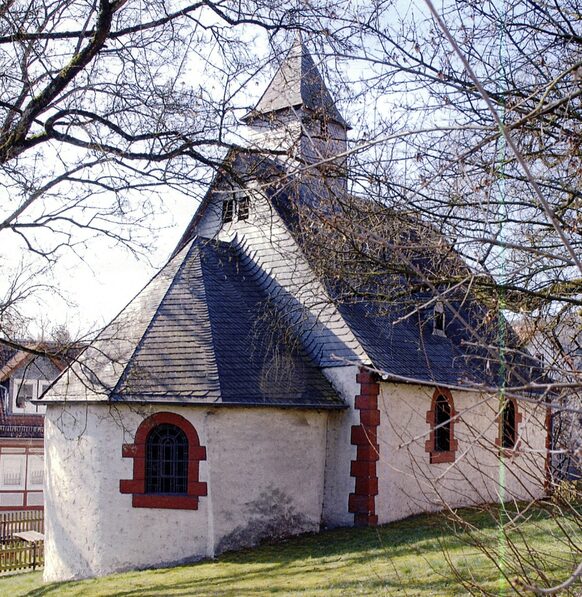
16, 522
20, 555
15, 553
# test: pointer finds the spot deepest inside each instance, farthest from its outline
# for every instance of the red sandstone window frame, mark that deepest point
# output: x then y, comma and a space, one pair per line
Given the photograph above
441, 456
137, 451
518, 417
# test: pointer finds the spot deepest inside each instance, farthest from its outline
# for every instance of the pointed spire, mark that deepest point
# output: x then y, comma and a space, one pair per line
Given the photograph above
297, 84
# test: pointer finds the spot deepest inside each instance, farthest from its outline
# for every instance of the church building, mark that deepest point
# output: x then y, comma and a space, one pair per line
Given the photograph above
251, 391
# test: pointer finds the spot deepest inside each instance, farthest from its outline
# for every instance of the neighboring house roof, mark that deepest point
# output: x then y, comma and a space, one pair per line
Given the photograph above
297, 84
6, 353
12, 359
23, 427
200, 333
18, 363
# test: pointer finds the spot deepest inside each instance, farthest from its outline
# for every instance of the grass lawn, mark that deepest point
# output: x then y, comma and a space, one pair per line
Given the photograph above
412, 557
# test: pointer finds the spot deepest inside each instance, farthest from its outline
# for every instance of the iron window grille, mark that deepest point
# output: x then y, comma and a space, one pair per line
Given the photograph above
166, 455
166, 460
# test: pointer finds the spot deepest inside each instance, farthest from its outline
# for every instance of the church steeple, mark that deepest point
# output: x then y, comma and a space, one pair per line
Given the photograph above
297, 115
297, 84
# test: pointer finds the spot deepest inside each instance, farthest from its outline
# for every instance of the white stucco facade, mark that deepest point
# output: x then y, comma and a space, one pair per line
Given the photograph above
270, 472
265, 477
339, 450
409, 484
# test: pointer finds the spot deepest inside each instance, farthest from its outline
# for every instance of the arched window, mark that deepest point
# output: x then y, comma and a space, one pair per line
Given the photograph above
442, 423
166, 461
509, 420
441, 444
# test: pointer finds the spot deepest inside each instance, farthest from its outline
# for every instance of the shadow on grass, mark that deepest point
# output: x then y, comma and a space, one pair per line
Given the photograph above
330, 559
281, 581
283, 565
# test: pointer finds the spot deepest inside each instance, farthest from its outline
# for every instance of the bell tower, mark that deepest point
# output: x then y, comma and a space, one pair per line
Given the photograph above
297, 116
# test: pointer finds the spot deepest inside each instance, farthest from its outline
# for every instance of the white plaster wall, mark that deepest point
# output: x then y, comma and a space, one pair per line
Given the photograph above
298, 131
264, 471
267, 473
91, 528
409, 484
339, 449
280, 132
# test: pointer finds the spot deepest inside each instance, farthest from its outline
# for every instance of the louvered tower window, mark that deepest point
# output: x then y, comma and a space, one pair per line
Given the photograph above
243, 206
228, 210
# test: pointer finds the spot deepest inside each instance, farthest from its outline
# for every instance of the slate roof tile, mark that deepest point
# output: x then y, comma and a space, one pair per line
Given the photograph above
208, 340
258, 361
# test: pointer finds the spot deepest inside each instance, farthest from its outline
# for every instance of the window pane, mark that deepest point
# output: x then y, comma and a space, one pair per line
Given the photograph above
243, 207
24, 392
442, 434
228, 210
167, 460
508, 422
35, 471
12, 471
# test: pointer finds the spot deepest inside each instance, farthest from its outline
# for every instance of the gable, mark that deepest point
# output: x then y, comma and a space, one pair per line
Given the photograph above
21, 364
275, 260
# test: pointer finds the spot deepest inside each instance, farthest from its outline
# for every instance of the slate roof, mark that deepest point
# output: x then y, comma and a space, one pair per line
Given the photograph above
98, 369
296, 84
407, 349
201, 333
401, 347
